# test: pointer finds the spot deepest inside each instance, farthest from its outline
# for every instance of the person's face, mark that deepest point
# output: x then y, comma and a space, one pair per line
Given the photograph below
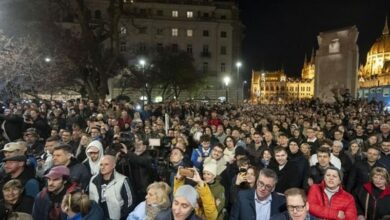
107, 166
175, 156
54, 184
151, 197
372, 139
12, 166
49, 146
283, 140
265, 186
310, 133
379, 181
206, 145
61, 157
320, 135
208, 177
281, 157
354, 148
216, 153
94, 155
11, 195
66, 136
323, 159
257, 138
220, 130
250, 176
229, 143
297, 208
29, 138
181, 208
336, 148
268, 136
338, 135
372, 155
386, 147
267, 155
385, 129
34, 114
332, 179
95, 133
293, 147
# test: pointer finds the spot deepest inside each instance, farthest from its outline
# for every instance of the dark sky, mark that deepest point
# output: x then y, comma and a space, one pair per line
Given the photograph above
278, 33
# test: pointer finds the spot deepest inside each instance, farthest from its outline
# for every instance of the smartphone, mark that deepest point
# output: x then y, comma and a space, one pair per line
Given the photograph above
186, 172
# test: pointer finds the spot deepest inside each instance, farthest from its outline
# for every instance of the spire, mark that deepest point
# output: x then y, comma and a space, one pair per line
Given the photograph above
313, 54
386, 28
305, 62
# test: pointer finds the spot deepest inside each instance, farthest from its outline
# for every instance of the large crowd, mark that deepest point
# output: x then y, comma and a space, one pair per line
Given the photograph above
80, 159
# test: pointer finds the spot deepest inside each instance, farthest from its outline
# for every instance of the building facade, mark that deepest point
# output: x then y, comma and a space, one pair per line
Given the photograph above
275, 87
376, 70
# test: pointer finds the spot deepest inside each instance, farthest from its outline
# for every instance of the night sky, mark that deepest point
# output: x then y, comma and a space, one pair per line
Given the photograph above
278, 33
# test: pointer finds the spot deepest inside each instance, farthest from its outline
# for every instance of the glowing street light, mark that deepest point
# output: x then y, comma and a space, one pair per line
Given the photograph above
238, 65
47, 59
226, 80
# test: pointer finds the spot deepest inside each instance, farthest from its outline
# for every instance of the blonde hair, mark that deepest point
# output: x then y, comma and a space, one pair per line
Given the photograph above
78, 202
13, 184
381, 172
162, 191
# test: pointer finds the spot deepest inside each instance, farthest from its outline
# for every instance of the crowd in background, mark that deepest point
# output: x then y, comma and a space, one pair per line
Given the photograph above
80, 159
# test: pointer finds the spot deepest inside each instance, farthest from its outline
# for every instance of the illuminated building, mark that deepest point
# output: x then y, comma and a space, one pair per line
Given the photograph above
376, 70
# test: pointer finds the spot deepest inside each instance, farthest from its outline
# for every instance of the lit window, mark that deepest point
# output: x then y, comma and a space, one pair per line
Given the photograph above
123, 30
189, 33
175, 14
175, 32
190, 14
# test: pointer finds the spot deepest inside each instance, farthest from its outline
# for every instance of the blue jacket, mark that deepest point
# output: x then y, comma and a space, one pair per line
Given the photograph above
196, 153
95, 213
42, 205
245, 208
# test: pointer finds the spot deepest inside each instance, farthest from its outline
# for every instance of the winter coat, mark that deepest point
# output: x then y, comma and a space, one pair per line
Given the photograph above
207, 207
167, 215
219, 196
377, 206
79, 173
322, 207
287, 176
286, 216
359, 174
198, 153
95, 212
93, 167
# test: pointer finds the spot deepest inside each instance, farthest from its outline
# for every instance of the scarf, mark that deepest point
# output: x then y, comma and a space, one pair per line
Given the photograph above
153, 210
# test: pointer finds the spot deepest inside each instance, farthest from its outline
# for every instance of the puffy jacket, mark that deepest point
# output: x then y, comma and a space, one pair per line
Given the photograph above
207, 209
378, 206
219, 196
322, 207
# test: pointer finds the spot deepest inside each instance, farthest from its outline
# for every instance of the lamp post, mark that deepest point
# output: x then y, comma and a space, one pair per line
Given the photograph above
238, 65
142, 62
226, 80
263, 80
243, 89
47, 59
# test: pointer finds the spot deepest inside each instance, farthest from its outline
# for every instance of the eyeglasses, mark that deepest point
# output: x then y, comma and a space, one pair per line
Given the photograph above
260, 184
298, 208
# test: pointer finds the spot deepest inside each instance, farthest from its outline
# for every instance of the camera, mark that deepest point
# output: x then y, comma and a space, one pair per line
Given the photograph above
243, 171
186, 172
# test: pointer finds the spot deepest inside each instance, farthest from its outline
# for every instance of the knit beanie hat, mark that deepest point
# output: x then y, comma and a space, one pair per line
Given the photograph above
189, 193
211, 167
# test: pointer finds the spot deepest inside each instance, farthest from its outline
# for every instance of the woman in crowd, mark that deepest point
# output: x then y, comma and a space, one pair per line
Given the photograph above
218, 191
328, 200
266, 157
354, 151
15, 204
156, 200
77, 206
244, 180
373, 198
80, 152
305, 149
230, 144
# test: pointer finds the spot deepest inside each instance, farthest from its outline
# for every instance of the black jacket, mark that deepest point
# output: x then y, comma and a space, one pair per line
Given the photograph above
378, 201
359, 174
287, 176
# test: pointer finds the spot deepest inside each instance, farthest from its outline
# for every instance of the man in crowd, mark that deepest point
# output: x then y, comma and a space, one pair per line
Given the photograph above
261, 202
45, 162
62, 155
47, 205
111, 190
385, 154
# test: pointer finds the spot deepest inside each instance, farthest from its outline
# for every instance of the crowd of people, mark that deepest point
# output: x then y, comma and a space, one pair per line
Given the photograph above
80, 159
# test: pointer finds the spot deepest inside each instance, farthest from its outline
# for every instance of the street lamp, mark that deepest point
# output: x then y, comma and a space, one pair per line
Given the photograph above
142, 62
238, 65
243, 88
226, 80
263, 80
47, 59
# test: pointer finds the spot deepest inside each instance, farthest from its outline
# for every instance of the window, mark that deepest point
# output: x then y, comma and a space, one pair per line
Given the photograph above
123, 46
205, 67
205, 48
159, 31
206, 15
189, 48
160, 13
223, 67
98, 14
123, 30
189, 33
205, 33
308, 89
223, 34
223, 50
175, 47
190, 14
142, 30
302, 89
334, 46
175, 14
175, 32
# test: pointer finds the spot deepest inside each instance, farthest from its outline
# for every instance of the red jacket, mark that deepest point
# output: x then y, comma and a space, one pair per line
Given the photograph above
321, 207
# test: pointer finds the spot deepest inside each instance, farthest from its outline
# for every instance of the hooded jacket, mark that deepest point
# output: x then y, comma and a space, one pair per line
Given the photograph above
92, 166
